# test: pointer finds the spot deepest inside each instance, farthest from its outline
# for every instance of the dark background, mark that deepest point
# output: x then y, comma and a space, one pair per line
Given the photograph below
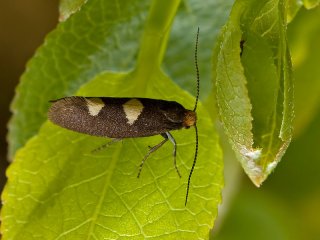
23, 26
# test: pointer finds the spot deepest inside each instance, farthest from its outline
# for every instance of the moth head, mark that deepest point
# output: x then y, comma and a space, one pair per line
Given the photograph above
190, 119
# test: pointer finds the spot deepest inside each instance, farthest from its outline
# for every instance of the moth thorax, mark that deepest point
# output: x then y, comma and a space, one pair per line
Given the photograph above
190, 119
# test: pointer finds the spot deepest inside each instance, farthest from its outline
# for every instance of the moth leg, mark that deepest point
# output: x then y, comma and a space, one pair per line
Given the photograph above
98, 149
152, 149
174, 151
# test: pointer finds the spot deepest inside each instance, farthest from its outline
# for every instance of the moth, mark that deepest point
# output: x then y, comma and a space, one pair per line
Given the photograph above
120, 118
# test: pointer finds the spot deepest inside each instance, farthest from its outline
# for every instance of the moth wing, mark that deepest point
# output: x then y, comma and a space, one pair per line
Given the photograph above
79, 114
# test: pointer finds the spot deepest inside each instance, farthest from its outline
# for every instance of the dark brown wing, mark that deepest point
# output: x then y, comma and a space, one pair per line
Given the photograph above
117, 117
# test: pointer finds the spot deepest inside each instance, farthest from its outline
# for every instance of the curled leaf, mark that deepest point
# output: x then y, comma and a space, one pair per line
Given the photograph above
254, 89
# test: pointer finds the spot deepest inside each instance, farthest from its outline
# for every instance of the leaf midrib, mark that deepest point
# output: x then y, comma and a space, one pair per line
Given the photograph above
115, 158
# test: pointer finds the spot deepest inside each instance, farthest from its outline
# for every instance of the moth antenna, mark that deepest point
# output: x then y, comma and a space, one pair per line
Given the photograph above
197, 70
193, 165
195, 108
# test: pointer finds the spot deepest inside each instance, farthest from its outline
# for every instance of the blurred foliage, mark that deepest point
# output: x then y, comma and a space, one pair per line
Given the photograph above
304, 38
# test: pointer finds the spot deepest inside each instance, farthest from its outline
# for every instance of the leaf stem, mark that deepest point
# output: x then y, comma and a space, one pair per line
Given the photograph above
155, 36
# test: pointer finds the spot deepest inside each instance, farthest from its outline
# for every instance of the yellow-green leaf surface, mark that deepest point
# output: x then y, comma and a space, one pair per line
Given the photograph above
254, 85
59, 189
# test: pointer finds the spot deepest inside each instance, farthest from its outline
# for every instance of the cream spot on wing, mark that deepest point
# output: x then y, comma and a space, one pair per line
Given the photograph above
132, 108
94, 105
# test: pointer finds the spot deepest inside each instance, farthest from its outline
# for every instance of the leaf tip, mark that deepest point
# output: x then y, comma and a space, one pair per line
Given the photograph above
257, 180
252, 168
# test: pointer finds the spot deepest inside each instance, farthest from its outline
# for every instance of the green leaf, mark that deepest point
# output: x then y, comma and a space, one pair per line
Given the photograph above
104, 35
58, 189
69, 7
254, 85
